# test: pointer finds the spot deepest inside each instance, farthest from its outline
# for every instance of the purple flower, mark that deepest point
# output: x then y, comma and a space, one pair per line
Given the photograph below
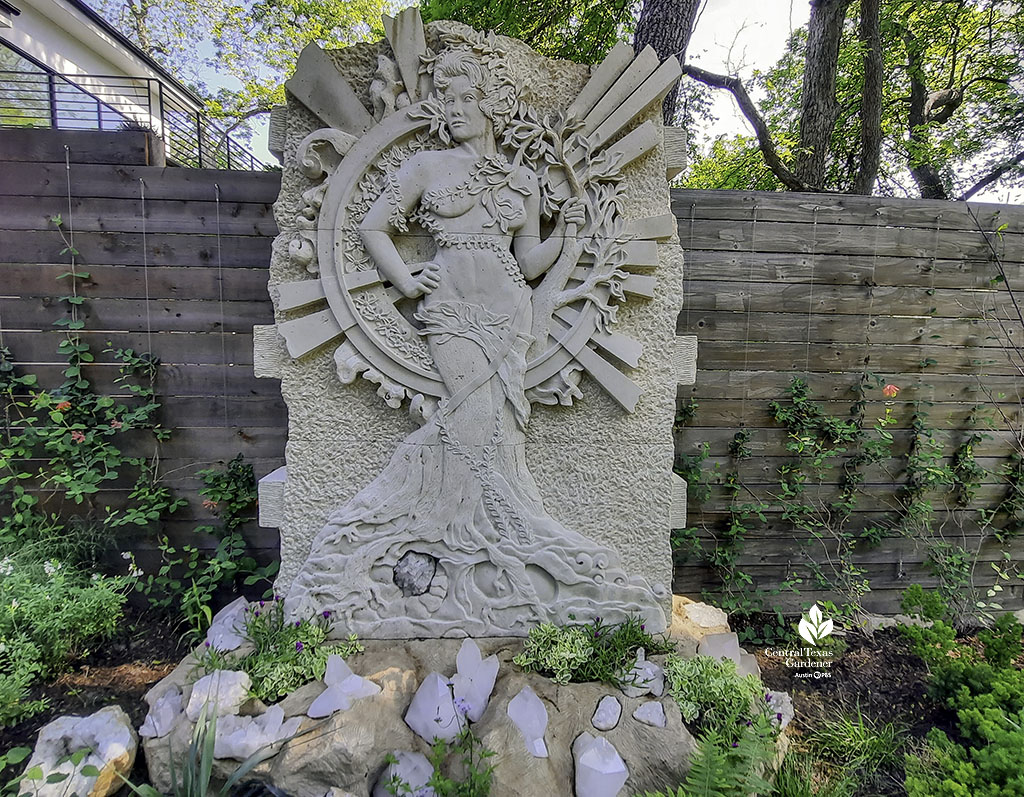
256, 613
327, 614
277, 597
735, 744
642, 626
768, 697
298, 623
207, 643
779, 716
298, 646
749, 722
262, 604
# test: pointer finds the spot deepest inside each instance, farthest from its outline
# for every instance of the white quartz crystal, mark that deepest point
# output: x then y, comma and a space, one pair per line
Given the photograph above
223, 690
527, 711
651, 713
227, 631
433, 713
474, 680
600, 770
412, 770
242, 737
163, 714
344, 687
607, 714
645, 678
721, 646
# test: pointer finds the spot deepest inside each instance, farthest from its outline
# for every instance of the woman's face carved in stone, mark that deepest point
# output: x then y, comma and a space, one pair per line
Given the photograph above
462, 111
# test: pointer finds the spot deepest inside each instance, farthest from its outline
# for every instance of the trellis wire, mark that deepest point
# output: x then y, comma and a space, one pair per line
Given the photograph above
223, 327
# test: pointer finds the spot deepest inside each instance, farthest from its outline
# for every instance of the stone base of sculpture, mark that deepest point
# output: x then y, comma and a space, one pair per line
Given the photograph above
431, 549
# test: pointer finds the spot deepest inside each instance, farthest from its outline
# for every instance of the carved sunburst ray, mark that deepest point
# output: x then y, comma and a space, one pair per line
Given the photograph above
620, 89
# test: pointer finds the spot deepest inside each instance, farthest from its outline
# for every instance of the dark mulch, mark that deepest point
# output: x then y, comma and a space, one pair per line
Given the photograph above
878, 675
120, 671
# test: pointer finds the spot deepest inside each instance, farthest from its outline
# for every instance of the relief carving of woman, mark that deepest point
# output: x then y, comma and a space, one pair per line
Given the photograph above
452, 537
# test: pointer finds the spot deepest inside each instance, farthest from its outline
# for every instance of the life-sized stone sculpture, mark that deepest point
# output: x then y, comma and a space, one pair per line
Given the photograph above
472, 253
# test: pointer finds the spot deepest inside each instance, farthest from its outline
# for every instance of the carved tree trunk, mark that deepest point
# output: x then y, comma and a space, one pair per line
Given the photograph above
929, 181
818, 106
871, 102
666, 25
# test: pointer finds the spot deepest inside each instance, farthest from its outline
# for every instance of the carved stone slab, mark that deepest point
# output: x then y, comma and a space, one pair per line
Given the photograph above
476, 285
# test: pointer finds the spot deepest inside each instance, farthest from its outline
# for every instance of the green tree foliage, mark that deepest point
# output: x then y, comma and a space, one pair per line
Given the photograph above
579, 30
951, 120
255, 43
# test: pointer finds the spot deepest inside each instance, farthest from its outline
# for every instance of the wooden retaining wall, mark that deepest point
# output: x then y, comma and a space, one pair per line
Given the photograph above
178, 266
829, 289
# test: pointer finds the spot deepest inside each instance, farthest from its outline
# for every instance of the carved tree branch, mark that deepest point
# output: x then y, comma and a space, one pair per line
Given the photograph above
764, 138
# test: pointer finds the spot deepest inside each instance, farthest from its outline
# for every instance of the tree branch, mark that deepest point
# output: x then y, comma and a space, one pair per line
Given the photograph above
992, 176
735, 86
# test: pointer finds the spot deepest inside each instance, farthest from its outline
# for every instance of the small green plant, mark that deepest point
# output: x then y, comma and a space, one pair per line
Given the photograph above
1002, 642
474, 776
804, 774
188, 578
856, 742
194, 776
50, 613
589, 652
285, 655
710, 692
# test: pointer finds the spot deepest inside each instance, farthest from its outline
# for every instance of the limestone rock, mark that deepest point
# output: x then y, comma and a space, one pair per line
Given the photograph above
474, 680
782, 705
607, 714
241, 737
224, 690
346, 751
412, 769
645, 678
720, 646
227, 630
689, 626
163, 714
344, 687
651, 713
531, 718
600, 770
433, 713
108, 734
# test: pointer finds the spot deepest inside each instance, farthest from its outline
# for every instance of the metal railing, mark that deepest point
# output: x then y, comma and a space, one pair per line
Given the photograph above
115, 102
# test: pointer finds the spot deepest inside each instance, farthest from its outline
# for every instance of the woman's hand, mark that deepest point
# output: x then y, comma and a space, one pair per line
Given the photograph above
424, 277
574, 211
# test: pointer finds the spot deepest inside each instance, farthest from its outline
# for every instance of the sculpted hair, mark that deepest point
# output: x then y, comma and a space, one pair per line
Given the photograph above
498, 96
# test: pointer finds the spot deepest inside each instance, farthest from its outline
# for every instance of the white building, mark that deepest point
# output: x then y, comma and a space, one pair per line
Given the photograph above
62, 65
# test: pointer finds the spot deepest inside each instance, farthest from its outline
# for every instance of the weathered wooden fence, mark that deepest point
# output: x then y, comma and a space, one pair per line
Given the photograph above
826, 288
835, 289
178, 261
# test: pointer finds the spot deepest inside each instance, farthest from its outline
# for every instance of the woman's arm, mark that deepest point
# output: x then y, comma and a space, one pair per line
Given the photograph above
378, 226
534, 255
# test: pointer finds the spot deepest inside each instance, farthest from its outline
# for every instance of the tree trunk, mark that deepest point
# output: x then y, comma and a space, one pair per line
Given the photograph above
666, 25
871, 99
818, 105
927, 177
